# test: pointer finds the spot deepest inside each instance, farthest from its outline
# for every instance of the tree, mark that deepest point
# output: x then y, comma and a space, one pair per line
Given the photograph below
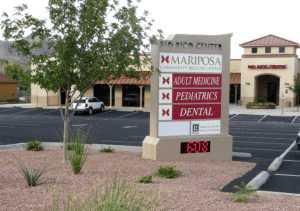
85, 41
18, 73
296, 89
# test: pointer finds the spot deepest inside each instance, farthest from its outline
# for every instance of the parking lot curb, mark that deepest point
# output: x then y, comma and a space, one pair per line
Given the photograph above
241, 154
55, 145
259, 180
275, 165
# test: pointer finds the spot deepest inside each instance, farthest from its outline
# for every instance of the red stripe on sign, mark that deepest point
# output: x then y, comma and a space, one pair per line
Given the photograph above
196, 95
198, 80
189, 112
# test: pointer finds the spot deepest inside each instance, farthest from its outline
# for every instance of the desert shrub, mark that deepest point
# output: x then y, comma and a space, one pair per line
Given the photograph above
145, 179
107, 149
265, 105
31, 175
77, 154
115, 196
243, 193
261, 100
168, 172
34, 145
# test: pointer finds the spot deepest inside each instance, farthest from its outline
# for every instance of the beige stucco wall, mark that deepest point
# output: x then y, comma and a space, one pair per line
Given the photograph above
40, 97
89, 92
274, 50
286, 76
235, 66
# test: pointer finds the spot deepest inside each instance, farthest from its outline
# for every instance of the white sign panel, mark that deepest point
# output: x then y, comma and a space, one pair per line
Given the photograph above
165, 80
165, 96
165, 112
192, 63
206, 127
179, 128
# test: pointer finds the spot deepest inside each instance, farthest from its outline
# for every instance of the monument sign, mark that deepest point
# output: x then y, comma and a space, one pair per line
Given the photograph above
189, 99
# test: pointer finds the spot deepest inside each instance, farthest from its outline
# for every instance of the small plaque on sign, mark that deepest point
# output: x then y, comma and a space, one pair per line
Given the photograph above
195, 147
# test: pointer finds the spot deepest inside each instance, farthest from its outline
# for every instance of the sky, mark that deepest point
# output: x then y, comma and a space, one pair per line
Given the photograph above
246, 19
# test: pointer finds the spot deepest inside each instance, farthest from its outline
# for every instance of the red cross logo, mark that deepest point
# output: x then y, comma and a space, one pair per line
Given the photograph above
166, 96
165, 59
165, 112
166, 80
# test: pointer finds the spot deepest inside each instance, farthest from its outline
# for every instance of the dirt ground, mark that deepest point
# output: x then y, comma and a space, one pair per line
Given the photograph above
197, 189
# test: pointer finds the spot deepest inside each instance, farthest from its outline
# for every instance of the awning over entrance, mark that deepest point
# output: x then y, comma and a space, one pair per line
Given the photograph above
143, 78
235, 78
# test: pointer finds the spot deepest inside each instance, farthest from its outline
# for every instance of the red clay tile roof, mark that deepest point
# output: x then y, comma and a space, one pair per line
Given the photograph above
144, 79
270, 40
3, 78
235, 78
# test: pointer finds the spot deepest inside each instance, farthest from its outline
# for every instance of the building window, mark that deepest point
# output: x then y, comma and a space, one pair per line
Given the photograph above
254, 50
281, 49
268, 50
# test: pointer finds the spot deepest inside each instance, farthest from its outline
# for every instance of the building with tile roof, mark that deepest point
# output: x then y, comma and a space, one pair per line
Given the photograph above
265, 72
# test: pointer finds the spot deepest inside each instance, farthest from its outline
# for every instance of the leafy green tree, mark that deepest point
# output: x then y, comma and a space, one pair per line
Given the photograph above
296, 89
18, 73
85, 41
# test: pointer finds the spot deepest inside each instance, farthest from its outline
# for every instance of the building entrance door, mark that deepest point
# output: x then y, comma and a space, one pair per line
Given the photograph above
272, 92
267, 88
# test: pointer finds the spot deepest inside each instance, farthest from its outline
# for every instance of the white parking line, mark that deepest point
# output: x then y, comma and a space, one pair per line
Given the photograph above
126, 115
80, 125
294, 119
234, 115
129, 126
295, 161
261, 119
260, 137
263, 149
258, 149
287, 175
263, 143
264, 133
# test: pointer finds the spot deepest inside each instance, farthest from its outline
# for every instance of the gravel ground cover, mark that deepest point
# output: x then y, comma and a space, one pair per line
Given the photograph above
197, 189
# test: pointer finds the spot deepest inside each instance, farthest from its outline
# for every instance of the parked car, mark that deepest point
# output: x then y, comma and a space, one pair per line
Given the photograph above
88, 105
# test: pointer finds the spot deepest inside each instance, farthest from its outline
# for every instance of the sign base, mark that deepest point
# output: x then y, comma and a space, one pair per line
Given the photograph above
169, 149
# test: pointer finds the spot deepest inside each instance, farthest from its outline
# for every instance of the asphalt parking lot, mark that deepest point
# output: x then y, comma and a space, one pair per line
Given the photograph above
265, 137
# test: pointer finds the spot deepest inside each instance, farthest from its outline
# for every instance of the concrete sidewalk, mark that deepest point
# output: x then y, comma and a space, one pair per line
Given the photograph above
287, 111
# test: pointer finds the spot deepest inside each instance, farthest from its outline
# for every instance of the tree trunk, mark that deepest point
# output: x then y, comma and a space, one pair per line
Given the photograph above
66, 127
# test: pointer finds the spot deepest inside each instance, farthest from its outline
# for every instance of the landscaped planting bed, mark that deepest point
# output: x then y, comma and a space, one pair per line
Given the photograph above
196, 188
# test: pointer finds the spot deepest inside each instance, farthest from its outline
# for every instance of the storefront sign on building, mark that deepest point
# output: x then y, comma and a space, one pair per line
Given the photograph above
268, 66
189, 93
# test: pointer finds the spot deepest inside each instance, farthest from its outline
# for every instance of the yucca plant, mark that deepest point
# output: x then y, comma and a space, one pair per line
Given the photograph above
145, 179
107, 150
168, 172
34, 145
31, 175
243, 193
77, 153
118, 195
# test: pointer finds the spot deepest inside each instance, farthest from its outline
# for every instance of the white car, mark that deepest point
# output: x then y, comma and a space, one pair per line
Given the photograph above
88, 104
